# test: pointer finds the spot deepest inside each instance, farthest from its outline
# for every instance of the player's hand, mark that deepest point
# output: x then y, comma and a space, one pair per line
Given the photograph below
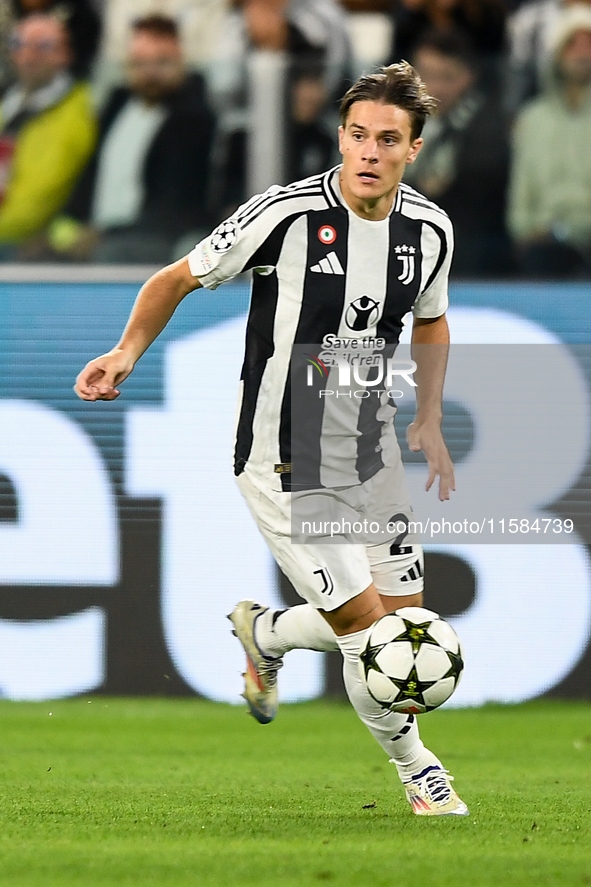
100, 377
428, 438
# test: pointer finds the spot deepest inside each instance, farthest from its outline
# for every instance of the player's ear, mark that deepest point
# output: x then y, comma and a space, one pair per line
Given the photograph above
341, 135
414, 150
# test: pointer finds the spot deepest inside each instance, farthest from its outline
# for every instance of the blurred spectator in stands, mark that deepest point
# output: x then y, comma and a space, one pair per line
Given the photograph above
530, 30
82, 21
482, 22
47, 131
463, 165
199, 23
311, 145
306, 29
314, 35
550, 193
146, 184
7, 22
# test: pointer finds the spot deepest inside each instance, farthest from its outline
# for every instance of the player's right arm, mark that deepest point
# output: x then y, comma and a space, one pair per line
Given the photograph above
241, 243
155, 304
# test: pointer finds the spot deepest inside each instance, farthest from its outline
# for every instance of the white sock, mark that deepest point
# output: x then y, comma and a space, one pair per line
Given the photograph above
298, 628
398, 734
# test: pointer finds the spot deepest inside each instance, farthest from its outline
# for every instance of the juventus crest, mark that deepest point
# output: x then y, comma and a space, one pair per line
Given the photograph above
406, 255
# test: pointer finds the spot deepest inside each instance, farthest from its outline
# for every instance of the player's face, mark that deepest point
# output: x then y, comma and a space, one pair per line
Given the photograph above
376, 144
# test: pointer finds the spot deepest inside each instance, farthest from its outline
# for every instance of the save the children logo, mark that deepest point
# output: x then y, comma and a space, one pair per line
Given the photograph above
362, 314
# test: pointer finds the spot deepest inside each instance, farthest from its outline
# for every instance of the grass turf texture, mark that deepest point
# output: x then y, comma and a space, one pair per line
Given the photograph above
180, 792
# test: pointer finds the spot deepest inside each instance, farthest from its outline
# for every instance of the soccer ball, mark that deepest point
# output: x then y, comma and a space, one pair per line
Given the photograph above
411, 660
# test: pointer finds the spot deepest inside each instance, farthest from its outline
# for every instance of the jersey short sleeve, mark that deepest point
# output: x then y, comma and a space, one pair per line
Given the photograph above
437, 247
235, 245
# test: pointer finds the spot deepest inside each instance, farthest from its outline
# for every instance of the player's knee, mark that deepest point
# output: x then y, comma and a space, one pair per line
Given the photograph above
357, 614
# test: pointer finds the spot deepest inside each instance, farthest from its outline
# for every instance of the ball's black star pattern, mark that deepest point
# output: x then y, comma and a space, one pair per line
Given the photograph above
412, 688
456, 667
368, 657
416, 633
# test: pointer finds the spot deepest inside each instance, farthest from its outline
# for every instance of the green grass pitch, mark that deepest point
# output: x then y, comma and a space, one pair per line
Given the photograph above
117, 792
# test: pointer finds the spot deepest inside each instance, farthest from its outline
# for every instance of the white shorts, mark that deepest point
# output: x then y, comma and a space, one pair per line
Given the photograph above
328, 574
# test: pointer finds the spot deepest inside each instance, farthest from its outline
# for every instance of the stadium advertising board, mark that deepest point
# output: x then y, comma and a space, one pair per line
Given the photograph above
123, 540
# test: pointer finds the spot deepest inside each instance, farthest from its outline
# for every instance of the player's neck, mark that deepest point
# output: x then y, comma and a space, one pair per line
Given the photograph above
373, 209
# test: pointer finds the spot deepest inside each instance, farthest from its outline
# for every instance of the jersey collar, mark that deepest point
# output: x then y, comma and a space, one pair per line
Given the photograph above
335, 197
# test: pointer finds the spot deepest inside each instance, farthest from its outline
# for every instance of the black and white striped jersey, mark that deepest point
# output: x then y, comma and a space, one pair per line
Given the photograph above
319, 271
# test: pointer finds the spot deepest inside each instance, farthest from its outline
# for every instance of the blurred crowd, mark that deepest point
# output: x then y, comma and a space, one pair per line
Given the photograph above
126, 126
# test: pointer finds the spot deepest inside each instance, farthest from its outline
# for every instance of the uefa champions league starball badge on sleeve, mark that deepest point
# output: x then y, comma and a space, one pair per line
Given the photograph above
224, 237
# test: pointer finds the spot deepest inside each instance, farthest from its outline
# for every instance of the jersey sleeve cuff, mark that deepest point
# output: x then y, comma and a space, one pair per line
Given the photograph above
431, 311
200, 267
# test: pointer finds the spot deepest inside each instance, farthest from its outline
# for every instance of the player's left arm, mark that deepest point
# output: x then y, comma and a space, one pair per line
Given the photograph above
430, 347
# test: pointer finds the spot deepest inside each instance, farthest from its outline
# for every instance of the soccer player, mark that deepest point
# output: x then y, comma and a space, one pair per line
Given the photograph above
349, 247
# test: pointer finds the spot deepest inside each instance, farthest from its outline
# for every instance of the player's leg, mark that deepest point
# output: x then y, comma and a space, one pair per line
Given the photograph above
255, 625
338, 581
301, 627
427, 783
267, 635
328, 575
349, 624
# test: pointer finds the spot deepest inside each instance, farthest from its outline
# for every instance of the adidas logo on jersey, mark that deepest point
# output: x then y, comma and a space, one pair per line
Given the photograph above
328, 265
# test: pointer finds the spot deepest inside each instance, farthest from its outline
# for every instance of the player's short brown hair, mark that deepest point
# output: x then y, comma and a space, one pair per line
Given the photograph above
398, 85
157, 26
